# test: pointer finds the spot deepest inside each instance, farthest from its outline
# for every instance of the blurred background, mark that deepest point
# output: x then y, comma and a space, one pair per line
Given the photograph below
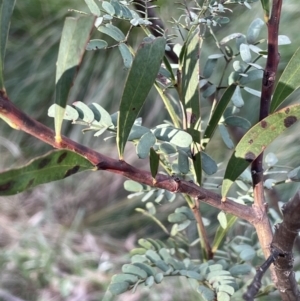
64, 240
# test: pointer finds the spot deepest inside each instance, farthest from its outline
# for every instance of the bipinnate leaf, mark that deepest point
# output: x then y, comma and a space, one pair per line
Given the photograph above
74, 39
245, 53
53, 166
217, 114
226, 136
256, 140
254, 30
6, 9
143, 147
108, 8
183, 162
209, 166
96, 44
126, 55
140, 79
206, 293
240, 269
121, 10
70, 112
130, 278
112, 31
147, 268
174, 136
133, 186
294, 175
93, 7
238, 121
85, 113
288, 82
209, 67
119, 287
134, 270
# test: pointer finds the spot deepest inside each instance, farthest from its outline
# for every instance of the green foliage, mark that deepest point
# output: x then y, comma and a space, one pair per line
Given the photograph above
288, 82
154, 262
144, 68
206, 96
73, 42
53, 166
6, 8
256, 140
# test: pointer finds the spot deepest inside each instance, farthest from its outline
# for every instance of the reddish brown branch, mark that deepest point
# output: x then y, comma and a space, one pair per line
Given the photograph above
10, 113
284, 238
263, 227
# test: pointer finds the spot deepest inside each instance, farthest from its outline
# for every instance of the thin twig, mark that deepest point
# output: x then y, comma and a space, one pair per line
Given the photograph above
202, 230
255, 285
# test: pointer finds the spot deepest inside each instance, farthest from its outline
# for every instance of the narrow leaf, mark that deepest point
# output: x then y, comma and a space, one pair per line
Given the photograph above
221, 232
266, 7
256, 140
190, 81
288, 82
75, 36
169, 104
53, 166
217, 114
154, 162
140, 79
6, 7
197, 162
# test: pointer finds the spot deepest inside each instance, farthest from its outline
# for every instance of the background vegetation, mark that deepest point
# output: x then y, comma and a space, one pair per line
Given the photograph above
64, 240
